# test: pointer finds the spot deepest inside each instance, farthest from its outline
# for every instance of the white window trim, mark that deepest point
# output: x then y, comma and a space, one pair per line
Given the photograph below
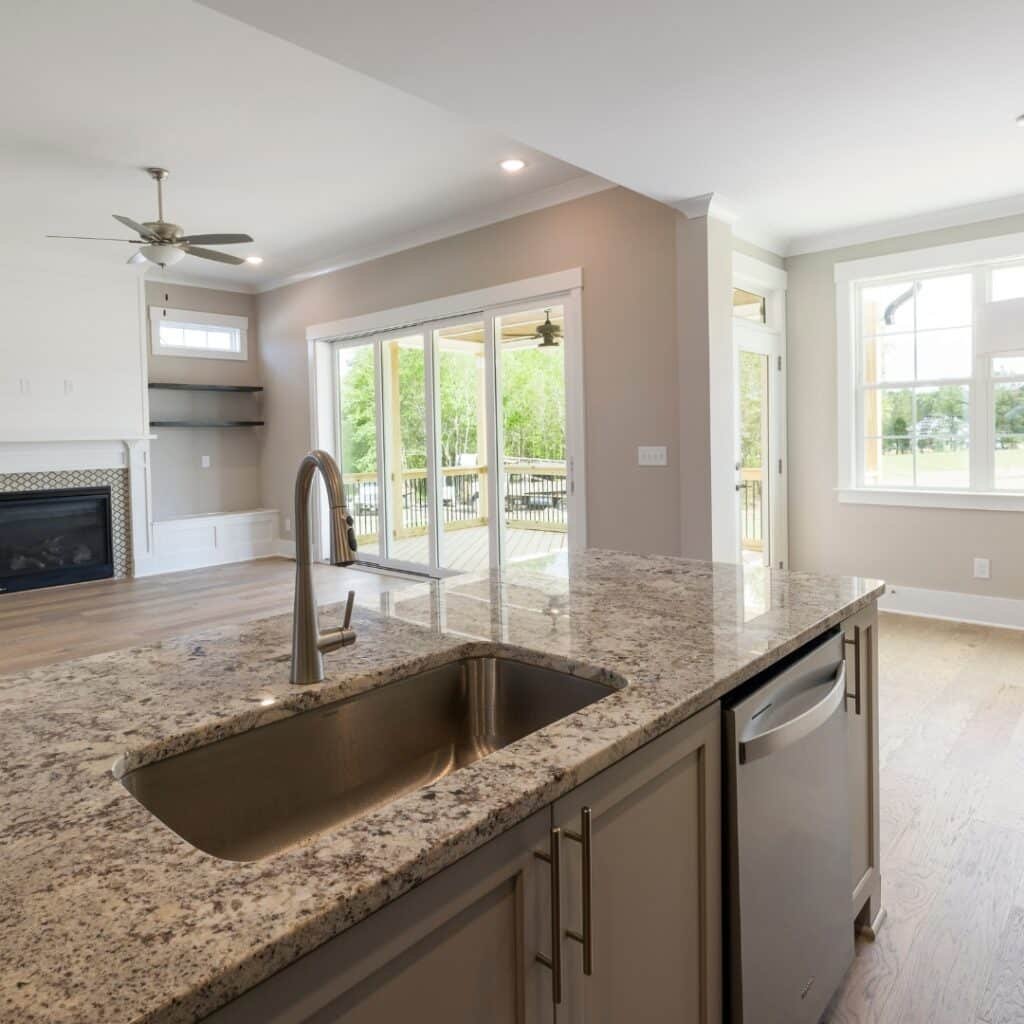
532, 289
920, 263
159, 314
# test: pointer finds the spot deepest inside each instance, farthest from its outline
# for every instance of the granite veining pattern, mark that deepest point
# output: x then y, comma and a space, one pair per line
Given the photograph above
106, 915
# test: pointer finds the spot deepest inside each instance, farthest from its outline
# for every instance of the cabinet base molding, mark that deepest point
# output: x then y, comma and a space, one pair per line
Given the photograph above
870, 929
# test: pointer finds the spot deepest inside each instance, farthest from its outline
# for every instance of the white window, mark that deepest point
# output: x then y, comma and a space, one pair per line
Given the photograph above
931, 377
182, 332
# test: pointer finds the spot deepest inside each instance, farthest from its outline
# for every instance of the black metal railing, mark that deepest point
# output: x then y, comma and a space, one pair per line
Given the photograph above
751, 511
535, 498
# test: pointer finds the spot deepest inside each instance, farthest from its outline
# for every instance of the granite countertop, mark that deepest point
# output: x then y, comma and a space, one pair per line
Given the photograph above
106, 915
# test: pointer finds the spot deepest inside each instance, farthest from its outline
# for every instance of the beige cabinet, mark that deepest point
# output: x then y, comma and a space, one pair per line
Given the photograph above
860, 641
641, 885
477, 942
460, 949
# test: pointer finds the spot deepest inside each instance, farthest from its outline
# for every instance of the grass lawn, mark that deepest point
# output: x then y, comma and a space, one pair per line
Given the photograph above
947, 469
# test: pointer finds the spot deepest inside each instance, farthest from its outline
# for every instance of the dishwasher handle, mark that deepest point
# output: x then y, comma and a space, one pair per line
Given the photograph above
797, 727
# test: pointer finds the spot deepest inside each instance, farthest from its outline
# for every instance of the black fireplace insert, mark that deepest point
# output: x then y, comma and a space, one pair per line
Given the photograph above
52, 537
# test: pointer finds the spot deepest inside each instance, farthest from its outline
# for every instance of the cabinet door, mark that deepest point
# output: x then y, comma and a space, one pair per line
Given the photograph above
860, 636
655, 884
459, 949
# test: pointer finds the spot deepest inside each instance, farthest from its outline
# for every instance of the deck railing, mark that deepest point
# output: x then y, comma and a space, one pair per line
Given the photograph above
535, 499
751, 506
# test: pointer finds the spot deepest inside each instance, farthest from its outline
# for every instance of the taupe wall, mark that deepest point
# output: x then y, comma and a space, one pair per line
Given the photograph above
930, 548
205, 300
232, 483
626, 245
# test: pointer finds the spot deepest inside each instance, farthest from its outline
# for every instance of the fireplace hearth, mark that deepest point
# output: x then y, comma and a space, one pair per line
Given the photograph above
48, 538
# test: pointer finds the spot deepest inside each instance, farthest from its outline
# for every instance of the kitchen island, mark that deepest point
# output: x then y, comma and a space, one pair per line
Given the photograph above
108, 915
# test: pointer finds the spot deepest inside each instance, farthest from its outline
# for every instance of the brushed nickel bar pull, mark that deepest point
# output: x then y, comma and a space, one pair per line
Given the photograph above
856, 645
586, 939
554, 962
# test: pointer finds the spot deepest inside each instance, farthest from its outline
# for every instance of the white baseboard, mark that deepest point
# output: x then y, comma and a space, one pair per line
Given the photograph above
1007, 612
194, 542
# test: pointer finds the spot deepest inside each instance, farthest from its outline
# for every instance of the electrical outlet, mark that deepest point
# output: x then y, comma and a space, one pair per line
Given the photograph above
652, 455
204, 461
981, 569
69, 387
287, 525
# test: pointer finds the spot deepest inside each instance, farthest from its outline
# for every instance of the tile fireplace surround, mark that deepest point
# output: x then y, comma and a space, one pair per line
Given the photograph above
122, 464
120, 502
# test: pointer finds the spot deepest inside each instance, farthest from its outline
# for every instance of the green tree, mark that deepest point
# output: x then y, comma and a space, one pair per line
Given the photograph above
533, 406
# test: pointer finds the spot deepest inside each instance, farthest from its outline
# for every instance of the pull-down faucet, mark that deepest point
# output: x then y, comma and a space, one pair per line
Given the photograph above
308, 643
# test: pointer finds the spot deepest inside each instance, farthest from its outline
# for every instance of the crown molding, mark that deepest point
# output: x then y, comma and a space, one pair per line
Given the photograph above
711, 204
935, 220
555, 195
207, 283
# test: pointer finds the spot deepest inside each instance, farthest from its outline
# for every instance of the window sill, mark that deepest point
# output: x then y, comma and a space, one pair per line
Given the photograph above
990, 501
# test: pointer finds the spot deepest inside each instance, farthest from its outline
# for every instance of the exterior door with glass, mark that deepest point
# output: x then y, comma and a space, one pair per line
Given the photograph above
760, 458
455, 438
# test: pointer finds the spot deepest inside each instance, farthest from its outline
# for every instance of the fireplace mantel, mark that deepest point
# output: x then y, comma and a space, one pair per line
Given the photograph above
54, 455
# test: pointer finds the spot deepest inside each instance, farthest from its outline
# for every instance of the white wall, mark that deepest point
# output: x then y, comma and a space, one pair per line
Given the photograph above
928, 548
70, 348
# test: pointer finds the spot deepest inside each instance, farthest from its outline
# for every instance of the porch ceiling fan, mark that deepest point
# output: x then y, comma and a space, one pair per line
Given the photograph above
548, 333
164, 243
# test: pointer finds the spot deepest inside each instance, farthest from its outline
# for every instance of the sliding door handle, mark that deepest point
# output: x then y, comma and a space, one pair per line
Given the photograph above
856, 645
586, 938
553, 858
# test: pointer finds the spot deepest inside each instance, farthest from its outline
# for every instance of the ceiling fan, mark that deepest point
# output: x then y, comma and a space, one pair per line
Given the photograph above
549, 333
164, 243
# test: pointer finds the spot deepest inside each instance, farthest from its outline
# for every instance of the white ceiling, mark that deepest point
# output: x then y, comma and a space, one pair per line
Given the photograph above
811, 117
320, 164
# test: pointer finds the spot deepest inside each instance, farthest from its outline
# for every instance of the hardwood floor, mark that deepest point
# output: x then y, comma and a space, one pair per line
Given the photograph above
952, 805
952, 774
38, 627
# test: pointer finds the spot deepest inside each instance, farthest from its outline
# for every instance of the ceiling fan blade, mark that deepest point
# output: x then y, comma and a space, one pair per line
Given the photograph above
216, 239
94, 238
136, 226
212, 254
138, 258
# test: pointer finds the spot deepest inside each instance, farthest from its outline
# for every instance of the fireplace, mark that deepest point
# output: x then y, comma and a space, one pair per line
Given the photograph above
48, 538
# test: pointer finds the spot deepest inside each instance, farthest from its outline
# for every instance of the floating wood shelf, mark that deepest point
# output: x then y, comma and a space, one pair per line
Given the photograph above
155, 386
206, 423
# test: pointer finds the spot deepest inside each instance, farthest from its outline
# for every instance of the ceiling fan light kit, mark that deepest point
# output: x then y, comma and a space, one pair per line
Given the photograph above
165, 244
163, 255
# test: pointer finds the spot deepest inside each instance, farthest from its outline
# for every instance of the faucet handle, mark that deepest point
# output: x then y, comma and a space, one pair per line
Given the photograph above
348, 609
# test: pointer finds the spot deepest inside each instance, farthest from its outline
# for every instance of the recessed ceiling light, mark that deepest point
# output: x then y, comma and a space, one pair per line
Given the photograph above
1020, 121
254, 259
513, 165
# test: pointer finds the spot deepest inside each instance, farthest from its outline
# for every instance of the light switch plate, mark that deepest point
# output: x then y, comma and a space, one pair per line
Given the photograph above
652, 455
981, 569
204, 461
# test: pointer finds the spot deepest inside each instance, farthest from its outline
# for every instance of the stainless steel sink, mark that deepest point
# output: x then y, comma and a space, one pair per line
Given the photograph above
248, 796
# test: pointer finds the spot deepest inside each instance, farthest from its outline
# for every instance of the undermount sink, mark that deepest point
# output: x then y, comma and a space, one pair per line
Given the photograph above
248, 796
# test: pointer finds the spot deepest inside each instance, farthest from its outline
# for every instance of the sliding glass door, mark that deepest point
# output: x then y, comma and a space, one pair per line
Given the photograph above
453, 437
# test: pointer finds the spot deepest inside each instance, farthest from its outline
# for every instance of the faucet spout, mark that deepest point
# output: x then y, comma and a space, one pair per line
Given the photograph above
308, 643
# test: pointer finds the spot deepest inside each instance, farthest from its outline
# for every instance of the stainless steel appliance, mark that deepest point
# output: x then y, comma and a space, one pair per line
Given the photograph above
788, 843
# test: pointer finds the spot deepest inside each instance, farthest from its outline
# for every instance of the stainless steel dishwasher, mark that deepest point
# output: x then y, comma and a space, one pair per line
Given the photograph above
790, 924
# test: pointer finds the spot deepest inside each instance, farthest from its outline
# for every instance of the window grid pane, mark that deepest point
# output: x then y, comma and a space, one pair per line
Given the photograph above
197, 337
916, 434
